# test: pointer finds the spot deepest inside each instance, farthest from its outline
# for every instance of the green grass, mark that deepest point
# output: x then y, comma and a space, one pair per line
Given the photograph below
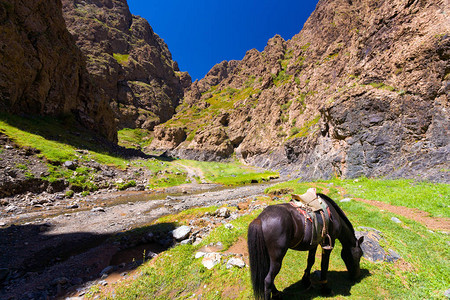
230, 173
306, 129
421, 273
433, 198
134, 138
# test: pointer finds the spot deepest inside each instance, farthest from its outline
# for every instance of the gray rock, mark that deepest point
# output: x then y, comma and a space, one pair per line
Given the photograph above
71, 165
223, 212
346, 200
371, 246
235, 262
98, 209
11, 208
181, 232
447, 293
392, 256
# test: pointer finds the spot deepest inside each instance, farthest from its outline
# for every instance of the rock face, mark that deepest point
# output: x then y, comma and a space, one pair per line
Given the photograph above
127, 60
362, 90
41, 69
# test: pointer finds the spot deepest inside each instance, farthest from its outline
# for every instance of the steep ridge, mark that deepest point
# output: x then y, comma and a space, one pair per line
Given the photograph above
127, 60
362, 90
42, 72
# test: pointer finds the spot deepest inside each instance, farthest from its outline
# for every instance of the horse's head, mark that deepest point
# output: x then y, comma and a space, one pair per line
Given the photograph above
352, 256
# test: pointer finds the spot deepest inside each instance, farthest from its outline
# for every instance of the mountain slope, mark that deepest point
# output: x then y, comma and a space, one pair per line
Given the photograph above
362, 90
127, 60
41, 69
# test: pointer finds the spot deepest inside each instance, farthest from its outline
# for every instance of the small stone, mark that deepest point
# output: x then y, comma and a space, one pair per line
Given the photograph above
396, 220
199, 254
229, 226
2, 224
235, 262
447, 293
186, 242
103, 282
210, 260
70, 165
98, 209
223, 212
9, 147
346, 200
181, 232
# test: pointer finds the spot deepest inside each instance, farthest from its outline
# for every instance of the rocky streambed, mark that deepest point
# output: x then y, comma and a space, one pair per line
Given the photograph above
49, 254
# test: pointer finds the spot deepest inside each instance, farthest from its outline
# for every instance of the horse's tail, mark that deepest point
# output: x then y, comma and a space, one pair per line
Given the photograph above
259, 257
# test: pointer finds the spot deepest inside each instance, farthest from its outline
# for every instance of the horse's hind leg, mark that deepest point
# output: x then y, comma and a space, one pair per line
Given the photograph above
275, 266
306, 281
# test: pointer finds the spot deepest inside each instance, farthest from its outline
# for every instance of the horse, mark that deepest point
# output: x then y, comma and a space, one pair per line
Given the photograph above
281, 227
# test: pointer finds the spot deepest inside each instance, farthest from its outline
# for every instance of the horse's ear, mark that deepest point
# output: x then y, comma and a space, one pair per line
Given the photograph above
360, 240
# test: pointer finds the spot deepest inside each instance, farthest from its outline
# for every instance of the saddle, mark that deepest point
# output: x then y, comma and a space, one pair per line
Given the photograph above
310, 205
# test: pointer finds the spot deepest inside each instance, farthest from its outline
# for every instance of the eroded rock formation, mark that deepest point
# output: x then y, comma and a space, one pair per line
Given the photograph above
127, 60
362, 90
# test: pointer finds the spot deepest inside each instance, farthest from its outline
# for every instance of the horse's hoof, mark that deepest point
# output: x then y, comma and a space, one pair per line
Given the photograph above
306, 282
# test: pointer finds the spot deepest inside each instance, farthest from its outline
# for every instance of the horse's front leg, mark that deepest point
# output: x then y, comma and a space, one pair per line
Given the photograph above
325, 288
306, 281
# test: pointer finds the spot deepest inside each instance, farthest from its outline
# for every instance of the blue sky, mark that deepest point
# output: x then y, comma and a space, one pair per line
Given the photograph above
203, 33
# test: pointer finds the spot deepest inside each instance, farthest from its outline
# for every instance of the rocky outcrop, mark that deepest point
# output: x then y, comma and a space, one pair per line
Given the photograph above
362, 90
127, 60
41, 69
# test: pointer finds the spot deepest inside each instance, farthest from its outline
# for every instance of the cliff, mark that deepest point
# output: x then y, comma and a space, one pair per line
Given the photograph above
42, 72
127, 60
362, 90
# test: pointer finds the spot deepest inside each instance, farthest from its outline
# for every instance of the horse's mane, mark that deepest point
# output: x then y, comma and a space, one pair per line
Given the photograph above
339, 210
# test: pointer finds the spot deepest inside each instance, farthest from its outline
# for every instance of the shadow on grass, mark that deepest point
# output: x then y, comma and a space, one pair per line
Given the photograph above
66, 130
339, 282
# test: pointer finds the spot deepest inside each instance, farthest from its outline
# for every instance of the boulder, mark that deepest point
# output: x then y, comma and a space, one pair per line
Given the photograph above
181, 233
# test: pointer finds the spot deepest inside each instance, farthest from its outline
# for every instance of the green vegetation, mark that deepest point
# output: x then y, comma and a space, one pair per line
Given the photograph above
305, 130
121, 58
420, 273
230, 173
433, 198
59, 140
124, 185
134, 138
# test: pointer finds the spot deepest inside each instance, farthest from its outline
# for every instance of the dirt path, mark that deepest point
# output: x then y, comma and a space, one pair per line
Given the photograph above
49, 254
434, 223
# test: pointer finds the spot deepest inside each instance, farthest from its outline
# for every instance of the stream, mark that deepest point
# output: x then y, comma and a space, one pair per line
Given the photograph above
49, 253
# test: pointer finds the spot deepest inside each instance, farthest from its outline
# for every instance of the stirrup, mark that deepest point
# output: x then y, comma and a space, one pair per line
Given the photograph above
328, 247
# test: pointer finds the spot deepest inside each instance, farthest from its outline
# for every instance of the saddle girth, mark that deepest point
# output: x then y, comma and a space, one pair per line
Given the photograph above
319, 230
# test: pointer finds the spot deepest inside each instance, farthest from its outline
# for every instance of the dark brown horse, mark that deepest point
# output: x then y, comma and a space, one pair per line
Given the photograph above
281, 227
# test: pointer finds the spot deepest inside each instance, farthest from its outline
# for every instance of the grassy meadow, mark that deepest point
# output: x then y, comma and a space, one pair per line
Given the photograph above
56, 140
421, 272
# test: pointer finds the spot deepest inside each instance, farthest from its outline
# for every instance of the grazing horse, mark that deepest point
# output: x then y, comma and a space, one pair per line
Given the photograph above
281, 227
